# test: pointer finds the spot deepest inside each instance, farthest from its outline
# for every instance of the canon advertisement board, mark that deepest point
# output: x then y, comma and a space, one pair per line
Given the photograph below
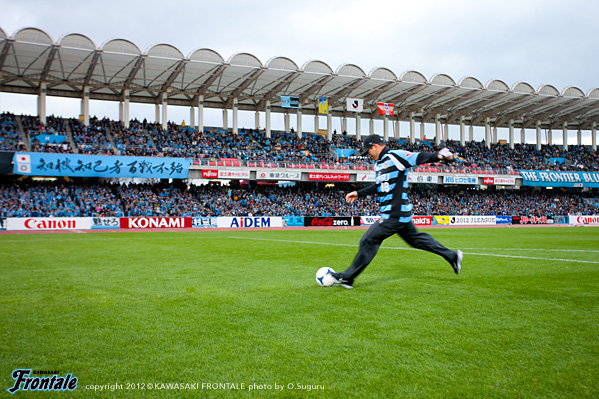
589, 220
35, 223
332, 221
156, 223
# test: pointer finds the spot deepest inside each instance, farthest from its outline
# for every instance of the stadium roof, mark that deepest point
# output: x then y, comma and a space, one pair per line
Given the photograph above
31, 57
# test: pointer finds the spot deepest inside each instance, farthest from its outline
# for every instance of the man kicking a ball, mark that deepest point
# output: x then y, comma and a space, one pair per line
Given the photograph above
396, 210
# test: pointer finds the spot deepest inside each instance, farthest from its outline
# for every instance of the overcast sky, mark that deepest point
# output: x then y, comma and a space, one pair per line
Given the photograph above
533, 41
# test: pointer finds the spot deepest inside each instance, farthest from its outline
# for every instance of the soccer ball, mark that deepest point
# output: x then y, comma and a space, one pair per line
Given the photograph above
324, 277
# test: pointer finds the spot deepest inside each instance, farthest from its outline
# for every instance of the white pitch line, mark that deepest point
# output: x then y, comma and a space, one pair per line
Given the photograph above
414, 249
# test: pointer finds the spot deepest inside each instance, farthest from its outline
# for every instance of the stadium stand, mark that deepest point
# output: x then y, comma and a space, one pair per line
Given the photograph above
250, 147
20, 199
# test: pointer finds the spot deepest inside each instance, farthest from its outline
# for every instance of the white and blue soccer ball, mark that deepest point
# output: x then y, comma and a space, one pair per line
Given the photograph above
324, 277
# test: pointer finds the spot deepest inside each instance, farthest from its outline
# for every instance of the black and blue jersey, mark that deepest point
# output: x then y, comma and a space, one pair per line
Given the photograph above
391, 184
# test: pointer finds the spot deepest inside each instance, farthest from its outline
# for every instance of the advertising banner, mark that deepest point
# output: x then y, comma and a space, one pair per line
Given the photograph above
531, 220
249, 221
155, 222
234, 174
76, 165
366, 177
559, 179
499, 181
35, 223
441, 220
106, 223
354, 104
209, 174
204, 222
368, 220
422, 220
417, 178
588, 220
328, 221
460, 180
279, 175
329, 176
471, 220
293, 221
503, 219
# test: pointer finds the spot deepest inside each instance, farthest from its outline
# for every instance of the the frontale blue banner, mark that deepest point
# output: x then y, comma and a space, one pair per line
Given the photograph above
546, 178
75, 165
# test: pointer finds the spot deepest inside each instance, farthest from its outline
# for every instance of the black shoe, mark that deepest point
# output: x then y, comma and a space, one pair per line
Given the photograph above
349, 284
457, 264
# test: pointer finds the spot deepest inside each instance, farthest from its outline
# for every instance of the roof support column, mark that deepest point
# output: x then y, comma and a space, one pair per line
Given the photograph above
330, 124
412, 127
549, 137
594, 136
85, 106
371, 125
164, 112
257, 120
438, 129
358, 126
41, 103
299, 122
495, 137
579, 136
446, 132
157, 121
201, 113
522, 134
422, 132
386, 128
511, 134
192, 117
287, 122
539, 135
121, 114
396, 130
344, 124
316, 128
488, 132
235, 116
462, 130
267, 132
226, 119
126, 108
565, 134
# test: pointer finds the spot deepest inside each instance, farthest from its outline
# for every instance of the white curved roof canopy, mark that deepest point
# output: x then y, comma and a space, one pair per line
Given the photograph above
31, 58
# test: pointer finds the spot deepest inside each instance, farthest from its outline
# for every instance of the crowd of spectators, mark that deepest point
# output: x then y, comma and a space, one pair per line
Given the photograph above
21, 199
10, 139
104, 136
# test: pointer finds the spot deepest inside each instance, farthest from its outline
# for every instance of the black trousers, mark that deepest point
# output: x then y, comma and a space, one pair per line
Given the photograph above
385, 228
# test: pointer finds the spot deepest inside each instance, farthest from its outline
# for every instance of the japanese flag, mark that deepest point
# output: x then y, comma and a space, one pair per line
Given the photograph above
23, 158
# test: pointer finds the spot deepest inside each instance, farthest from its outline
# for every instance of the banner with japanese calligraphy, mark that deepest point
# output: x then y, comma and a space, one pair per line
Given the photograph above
76, 165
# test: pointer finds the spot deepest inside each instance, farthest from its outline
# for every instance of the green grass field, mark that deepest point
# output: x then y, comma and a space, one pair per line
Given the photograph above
240, 307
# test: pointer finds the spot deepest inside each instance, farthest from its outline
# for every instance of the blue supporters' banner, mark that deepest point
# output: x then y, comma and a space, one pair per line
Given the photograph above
542, 178
49, 138
75, 165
